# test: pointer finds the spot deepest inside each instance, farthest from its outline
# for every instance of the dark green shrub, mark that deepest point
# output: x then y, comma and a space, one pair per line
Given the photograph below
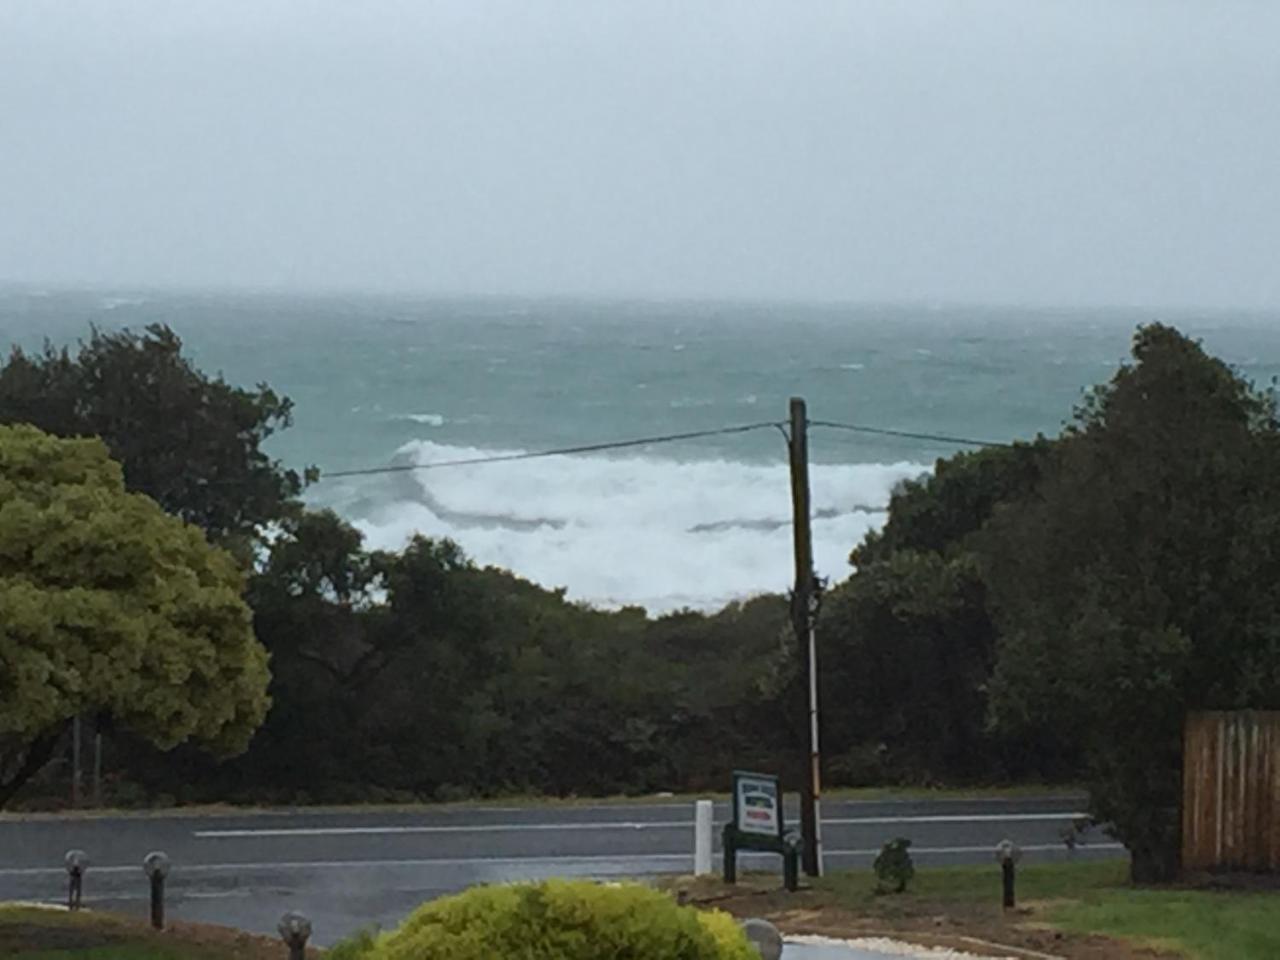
358, 946
893, 866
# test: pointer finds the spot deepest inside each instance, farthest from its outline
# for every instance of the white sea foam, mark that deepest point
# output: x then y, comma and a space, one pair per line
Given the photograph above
632, 530
115, 303
429, 419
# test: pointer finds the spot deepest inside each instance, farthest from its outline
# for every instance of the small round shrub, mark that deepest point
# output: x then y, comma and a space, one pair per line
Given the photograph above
562, 920
893, 866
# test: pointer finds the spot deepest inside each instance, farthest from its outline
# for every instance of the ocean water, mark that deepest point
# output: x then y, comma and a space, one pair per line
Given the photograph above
383, 380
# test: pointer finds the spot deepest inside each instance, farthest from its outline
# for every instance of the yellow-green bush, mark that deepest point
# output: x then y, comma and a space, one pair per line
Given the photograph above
560, 920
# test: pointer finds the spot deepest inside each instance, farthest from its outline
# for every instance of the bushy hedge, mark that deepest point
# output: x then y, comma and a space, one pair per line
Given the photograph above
557, 920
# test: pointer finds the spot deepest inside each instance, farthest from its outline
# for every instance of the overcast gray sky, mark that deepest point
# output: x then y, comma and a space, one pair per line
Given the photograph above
1058, 151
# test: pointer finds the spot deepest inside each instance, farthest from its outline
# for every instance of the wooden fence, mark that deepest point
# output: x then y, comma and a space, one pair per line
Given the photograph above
1231, 791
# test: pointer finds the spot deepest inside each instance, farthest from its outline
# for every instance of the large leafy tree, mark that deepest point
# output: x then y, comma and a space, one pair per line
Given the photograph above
908, 645
316, 604
1138, 582
938, 512
908, 649
190, 442
110, 607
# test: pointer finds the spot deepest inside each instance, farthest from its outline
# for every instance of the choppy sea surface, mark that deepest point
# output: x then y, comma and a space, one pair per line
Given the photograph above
379, 380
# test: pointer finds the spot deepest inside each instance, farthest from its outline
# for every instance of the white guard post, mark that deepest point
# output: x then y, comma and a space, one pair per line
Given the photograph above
702, 817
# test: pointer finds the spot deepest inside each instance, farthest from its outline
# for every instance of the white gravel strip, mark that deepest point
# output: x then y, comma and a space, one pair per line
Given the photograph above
894, 948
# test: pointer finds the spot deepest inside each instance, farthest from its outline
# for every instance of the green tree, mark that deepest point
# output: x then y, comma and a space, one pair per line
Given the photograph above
907, 651
723, 679
937, 512
908, 645
1138, 582
315, 605
109, 607
190, 442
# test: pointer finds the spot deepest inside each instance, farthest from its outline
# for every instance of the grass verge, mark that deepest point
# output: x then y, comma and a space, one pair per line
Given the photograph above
32, 933
1202, 924
1096, 898
1080, 909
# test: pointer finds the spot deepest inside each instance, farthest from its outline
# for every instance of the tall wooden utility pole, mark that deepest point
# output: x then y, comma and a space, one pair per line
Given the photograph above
803, 608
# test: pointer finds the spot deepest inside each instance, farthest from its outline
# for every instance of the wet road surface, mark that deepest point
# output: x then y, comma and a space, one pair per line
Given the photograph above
363, 868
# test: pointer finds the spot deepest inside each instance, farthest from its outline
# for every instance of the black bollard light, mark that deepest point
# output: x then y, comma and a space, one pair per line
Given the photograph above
294, 929
77, 861
156, 866
1008, 853
792, 845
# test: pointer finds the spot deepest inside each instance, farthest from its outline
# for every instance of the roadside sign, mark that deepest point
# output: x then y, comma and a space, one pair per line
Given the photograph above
757, 804
757, 825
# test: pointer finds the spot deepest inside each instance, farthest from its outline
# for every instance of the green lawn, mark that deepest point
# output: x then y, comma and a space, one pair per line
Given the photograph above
1088, 897
1206, 925
28, 933
124, 951
1044, 881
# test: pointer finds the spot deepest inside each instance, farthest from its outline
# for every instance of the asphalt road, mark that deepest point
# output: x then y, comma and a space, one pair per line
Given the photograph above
358, 868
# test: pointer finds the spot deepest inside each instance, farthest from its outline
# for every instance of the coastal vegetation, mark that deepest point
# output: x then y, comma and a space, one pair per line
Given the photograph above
1048, 610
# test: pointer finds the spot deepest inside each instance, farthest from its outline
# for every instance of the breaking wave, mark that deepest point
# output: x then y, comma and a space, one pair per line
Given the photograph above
660, 533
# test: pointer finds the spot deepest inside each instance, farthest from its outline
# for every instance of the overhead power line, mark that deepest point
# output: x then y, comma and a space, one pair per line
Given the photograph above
907, 434
558, 452
649, 441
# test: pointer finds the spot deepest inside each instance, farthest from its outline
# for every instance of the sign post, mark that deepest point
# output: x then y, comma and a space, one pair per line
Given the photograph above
758, 824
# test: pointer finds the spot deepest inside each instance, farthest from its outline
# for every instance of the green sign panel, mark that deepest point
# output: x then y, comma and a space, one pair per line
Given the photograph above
757, 825
757, 804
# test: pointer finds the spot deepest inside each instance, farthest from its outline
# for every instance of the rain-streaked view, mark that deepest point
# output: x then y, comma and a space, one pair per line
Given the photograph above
651, 480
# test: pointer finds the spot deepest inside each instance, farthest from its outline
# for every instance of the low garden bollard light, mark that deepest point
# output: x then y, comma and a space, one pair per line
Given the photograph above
1008, 853
156, 866
77, 861
793, 844
294, 929
764, 936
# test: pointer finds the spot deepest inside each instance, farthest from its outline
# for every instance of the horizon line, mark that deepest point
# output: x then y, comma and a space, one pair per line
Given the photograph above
339, 291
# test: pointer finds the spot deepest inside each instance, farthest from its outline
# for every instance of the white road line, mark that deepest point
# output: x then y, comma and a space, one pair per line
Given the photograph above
445, 810
1028, 848
212, 894
460, 828
232, 834
338, 864
958, 818
623, 862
